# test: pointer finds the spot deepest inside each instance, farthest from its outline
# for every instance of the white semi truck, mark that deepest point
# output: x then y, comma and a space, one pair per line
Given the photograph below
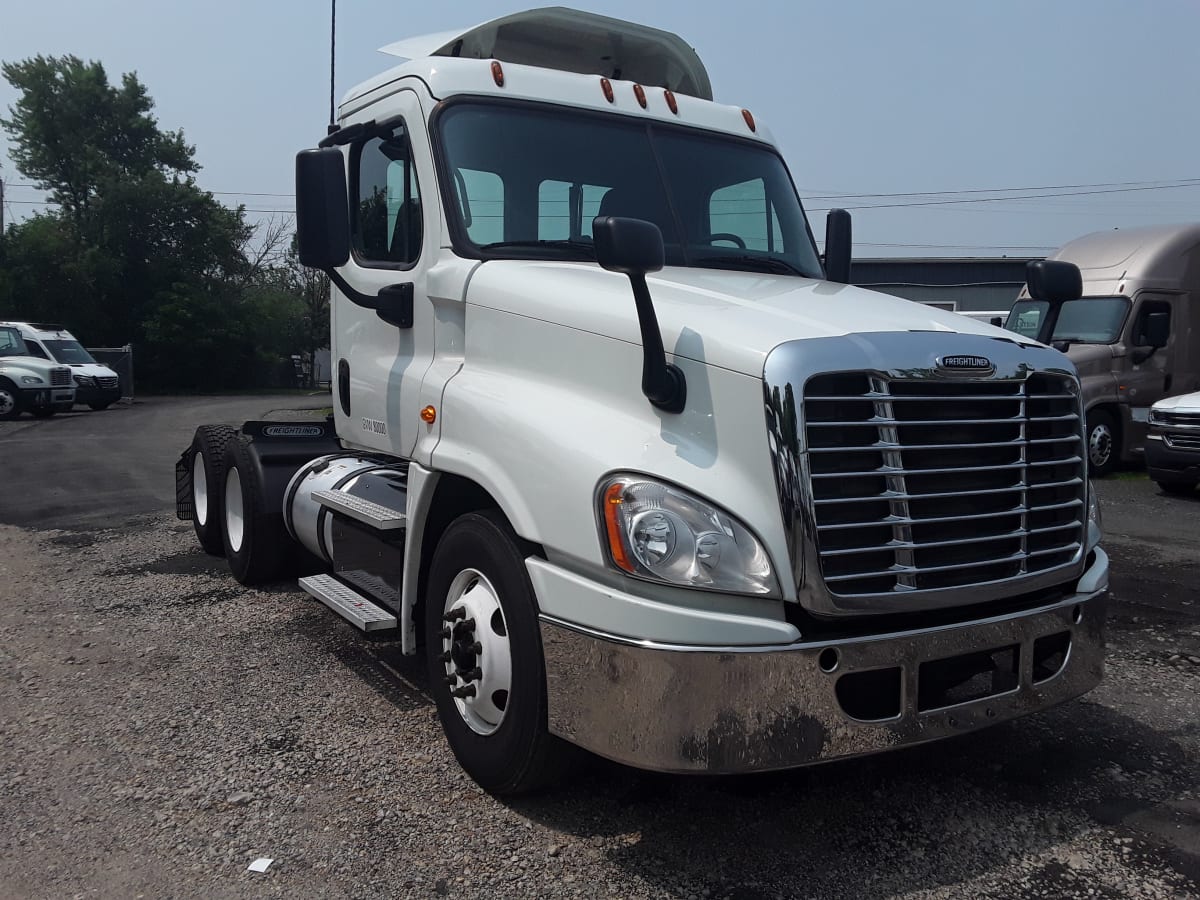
628, 458
28, 383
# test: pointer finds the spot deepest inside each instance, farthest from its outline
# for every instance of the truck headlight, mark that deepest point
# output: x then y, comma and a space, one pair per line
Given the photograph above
666, 534
84, 380
1095, 524
30, 379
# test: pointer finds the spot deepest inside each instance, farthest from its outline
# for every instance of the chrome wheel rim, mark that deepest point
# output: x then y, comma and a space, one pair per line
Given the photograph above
7, 402
199, 488
235, 527
476, 655
1100, 443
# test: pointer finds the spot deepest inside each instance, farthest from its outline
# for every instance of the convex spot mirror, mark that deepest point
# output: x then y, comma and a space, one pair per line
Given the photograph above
322, 208
1053, 280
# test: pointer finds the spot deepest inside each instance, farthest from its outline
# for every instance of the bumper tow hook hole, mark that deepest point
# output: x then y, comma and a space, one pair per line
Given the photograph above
828, 660
872, 696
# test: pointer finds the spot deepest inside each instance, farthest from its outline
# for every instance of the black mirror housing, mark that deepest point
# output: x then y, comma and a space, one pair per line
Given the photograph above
838, 246
628, 246
1157, 330
322, 208
1053, 280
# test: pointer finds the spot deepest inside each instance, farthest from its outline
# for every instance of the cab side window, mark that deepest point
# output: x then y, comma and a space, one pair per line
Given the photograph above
386, 225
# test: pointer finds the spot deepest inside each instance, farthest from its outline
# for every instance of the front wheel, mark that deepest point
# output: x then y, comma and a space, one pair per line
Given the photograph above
208, 479
43, 412
1101, 443
10, 406
99, 405
484, 654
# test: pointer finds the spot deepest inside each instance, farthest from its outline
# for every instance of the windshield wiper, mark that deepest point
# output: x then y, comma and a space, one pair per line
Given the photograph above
586, 247
748, 261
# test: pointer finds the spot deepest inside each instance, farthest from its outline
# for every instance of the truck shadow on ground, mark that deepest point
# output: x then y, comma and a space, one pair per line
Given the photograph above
911, 820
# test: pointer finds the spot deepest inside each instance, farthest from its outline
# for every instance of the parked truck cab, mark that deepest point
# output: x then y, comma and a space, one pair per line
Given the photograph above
28, 383
625, 455
1134, 335
96, 385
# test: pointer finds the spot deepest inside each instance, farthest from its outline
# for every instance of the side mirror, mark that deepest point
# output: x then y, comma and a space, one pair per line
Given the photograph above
634, 247
628, 246
322, 208
837, 246
1053, 280
1156, 330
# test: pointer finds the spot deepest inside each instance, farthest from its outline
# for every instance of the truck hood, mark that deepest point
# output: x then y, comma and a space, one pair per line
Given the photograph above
15, 366
1189, 403
722, 318
1092, 359
92, 370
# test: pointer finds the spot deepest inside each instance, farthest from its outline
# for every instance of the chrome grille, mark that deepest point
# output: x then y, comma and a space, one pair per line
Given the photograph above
921, 485
1179, 418
1183, 441
107, 382
60, 377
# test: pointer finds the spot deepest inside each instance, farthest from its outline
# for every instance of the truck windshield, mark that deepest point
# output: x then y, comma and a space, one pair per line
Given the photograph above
1089, 320
69, 352
526, 181
11, 343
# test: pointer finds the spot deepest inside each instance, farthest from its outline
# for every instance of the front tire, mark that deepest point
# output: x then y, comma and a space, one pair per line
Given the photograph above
100, 405
481, 632
43, 412
10, 403
208, 480
257, 546
1102, 446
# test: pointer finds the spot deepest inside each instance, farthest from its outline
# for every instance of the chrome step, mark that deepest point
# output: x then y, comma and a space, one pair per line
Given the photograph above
374, 514
348, 603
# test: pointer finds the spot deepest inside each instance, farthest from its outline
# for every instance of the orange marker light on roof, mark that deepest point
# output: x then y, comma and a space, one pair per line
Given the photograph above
640, 93
606, 86
429, 415
497, 73
612, 507
671, 102
749, 119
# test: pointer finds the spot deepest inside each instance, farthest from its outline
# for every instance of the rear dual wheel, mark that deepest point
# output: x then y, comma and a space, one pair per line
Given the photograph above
255, 540
208, 479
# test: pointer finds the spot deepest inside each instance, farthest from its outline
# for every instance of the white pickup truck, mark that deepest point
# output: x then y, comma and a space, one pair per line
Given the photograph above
29, 384
626, 454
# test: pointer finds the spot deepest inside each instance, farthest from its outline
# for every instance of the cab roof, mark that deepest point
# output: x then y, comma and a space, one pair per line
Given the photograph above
569, 40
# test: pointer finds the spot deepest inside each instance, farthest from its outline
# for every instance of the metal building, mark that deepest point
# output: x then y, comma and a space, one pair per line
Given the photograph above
961, 284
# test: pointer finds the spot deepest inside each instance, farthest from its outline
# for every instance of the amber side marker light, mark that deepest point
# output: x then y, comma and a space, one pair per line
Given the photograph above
640, 93
429, 415
606, 86
612, 506
497, 74
671, 102
749, 119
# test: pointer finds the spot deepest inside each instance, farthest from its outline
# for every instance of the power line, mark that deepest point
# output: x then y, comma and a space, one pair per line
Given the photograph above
1167, 182
1195, 183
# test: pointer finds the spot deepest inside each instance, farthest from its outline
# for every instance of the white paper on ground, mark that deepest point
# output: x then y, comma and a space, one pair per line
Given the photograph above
260, 864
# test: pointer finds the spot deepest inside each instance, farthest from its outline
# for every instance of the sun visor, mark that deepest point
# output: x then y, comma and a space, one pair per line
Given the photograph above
573, 41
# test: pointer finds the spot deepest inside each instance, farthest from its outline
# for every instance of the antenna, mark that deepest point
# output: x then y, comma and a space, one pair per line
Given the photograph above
332, 45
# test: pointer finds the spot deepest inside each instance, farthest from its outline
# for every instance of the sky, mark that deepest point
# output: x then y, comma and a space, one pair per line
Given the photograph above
864, 97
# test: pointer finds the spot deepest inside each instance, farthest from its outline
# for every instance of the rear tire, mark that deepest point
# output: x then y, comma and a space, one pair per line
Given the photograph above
1102, 446
208, 479
1178, 488
256, 541
500, 736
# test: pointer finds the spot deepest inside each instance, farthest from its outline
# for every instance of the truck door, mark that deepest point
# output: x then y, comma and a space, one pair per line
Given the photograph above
1141, 384
394, 228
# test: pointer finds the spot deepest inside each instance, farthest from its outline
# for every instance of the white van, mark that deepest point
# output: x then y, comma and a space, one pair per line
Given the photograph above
96, 384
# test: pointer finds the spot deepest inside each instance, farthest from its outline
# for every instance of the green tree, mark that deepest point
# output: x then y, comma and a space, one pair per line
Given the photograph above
135, 251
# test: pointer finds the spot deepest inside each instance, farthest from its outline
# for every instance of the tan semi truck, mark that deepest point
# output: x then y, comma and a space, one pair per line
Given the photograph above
1134, 335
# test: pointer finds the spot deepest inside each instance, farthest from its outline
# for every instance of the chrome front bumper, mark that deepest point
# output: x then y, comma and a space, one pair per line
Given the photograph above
745, 709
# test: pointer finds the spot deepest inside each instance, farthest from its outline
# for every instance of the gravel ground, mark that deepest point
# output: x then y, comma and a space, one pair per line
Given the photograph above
162, 727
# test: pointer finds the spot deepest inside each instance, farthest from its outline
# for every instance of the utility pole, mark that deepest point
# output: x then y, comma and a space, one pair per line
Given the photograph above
1, 207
